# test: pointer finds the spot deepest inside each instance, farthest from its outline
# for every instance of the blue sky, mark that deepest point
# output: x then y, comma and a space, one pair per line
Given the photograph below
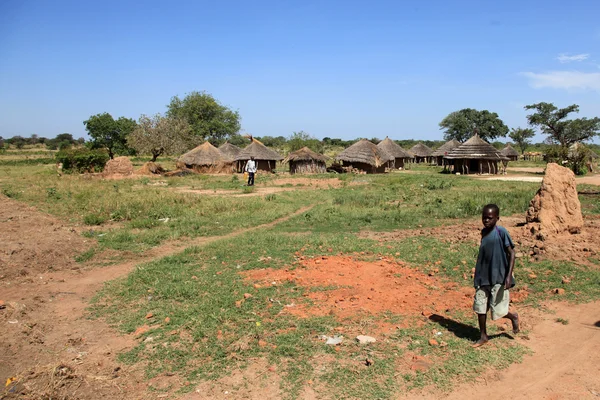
342, 69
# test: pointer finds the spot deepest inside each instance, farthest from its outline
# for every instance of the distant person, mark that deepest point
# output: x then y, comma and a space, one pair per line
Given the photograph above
251, 170
493, 273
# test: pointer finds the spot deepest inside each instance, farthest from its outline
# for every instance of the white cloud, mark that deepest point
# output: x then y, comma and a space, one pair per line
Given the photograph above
568, 80
565, 58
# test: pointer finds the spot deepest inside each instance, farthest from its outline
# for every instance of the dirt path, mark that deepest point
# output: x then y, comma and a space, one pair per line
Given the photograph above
49, 345
564, 364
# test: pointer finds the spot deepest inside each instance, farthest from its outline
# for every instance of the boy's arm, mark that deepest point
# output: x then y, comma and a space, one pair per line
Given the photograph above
511, 265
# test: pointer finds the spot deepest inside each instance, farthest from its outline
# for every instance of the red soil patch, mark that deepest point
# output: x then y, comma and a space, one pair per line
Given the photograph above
366, 287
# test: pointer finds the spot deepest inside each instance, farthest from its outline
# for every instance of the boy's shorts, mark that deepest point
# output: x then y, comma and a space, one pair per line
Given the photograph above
495, 298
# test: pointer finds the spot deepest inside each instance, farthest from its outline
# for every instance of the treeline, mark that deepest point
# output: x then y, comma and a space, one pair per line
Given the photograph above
61, 141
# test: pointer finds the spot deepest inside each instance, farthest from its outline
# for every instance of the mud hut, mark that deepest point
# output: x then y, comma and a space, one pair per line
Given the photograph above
229, 151
266, 159
306, 161
205, 158
509, 152
438, 155
421, 153
401, 156
365, 156
476, 156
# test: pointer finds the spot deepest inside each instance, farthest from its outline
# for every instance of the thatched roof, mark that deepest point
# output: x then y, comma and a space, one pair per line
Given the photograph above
420, 150
446, 148
229, 151
259, 151
393, 148
509, 151
366, 152
205, 154
577, 147
305, 154
476, 148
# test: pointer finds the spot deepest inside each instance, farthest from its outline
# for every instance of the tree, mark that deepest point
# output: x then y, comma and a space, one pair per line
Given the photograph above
552, 122
158, 135
302, 139
108, 133
461, 125
521, 137
208, 118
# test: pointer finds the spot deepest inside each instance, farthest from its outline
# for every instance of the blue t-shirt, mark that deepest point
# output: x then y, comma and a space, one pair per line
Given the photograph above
492, 260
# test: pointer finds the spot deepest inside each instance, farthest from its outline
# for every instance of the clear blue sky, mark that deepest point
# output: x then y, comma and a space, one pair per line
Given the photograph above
342, 69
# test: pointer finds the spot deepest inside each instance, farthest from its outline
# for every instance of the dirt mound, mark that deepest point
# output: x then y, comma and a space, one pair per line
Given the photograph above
150, 168
555, 209
118, 166
33, 242
370, 287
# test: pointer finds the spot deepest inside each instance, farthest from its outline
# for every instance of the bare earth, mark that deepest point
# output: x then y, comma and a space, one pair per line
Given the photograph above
53, 351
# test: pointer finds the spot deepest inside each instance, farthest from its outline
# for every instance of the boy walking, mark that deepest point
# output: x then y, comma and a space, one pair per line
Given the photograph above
251, 170
494, 273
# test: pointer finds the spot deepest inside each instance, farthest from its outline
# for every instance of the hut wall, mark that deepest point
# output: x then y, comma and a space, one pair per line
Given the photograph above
368, 168
471, 166
261, 165
307, 167
399, 163
513, 158
420, 160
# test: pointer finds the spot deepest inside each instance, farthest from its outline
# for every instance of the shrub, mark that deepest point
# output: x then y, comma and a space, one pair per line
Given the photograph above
82, 160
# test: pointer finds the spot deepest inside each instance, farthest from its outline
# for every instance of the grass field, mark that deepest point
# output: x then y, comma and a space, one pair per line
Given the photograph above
207, 320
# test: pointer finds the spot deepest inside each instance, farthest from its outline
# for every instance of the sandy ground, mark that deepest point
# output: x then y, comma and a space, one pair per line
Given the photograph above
590, 179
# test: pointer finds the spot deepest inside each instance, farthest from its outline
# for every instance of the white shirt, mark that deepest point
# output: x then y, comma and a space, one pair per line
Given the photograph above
251, 166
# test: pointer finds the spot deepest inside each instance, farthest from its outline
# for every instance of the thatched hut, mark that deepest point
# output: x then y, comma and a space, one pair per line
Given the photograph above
229, 151
306, 161
421, 153
476, 156
509, 152
205, 158
365, 156
401, 156
438, 155
266, 159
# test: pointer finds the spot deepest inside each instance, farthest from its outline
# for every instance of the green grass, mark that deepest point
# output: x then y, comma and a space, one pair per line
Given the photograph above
208, 335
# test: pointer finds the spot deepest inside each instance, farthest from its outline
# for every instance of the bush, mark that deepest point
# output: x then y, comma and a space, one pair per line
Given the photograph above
82, 160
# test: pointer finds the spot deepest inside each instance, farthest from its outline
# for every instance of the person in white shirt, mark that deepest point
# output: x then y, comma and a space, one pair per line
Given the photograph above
251, 170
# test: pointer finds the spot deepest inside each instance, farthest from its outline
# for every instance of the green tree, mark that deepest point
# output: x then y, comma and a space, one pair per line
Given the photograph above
521, 137
462, 124
158, 135
552, 122
302, 139
208, 118
109, 133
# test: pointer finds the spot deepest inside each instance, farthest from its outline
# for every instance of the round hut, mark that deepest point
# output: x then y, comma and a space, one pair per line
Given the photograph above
438, 155
306, 161
401, 156
229, 151
266, 159
205, 158
421, 153
476, 156
509, 152
365, 156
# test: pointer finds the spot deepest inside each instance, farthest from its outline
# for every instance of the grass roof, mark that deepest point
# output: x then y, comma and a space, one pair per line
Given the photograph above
420, 150
205, 154
393, 148
366, 152
259, 151
229, 151
446, 148
305, 154
476, 148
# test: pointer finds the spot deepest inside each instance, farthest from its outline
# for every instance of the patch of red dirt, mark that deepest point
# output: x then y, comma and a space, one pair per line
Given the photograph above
370, 287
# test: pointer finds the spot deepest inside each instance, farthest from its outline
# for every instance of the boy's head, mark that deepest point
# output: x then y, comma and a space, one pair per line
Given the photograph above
252, 158
490, 215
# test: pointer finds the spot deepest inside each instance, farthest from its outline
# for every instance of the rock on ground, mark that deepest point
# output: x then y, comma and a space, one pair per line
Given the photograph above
555, 208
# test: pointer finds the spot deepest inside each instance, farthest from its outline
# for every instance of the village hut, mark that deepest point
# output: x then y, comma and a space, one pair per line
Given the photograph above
229, 151
509, 152
306, 161
266, 159
421, 153
205, 158
365, 156
438, 155
401, 156
477, 156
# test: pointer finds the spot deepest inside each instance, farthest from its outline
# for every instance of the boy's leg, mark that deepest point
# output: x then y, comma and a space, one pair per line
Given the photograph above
500, 301
514, 319
482, 319
481, 306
